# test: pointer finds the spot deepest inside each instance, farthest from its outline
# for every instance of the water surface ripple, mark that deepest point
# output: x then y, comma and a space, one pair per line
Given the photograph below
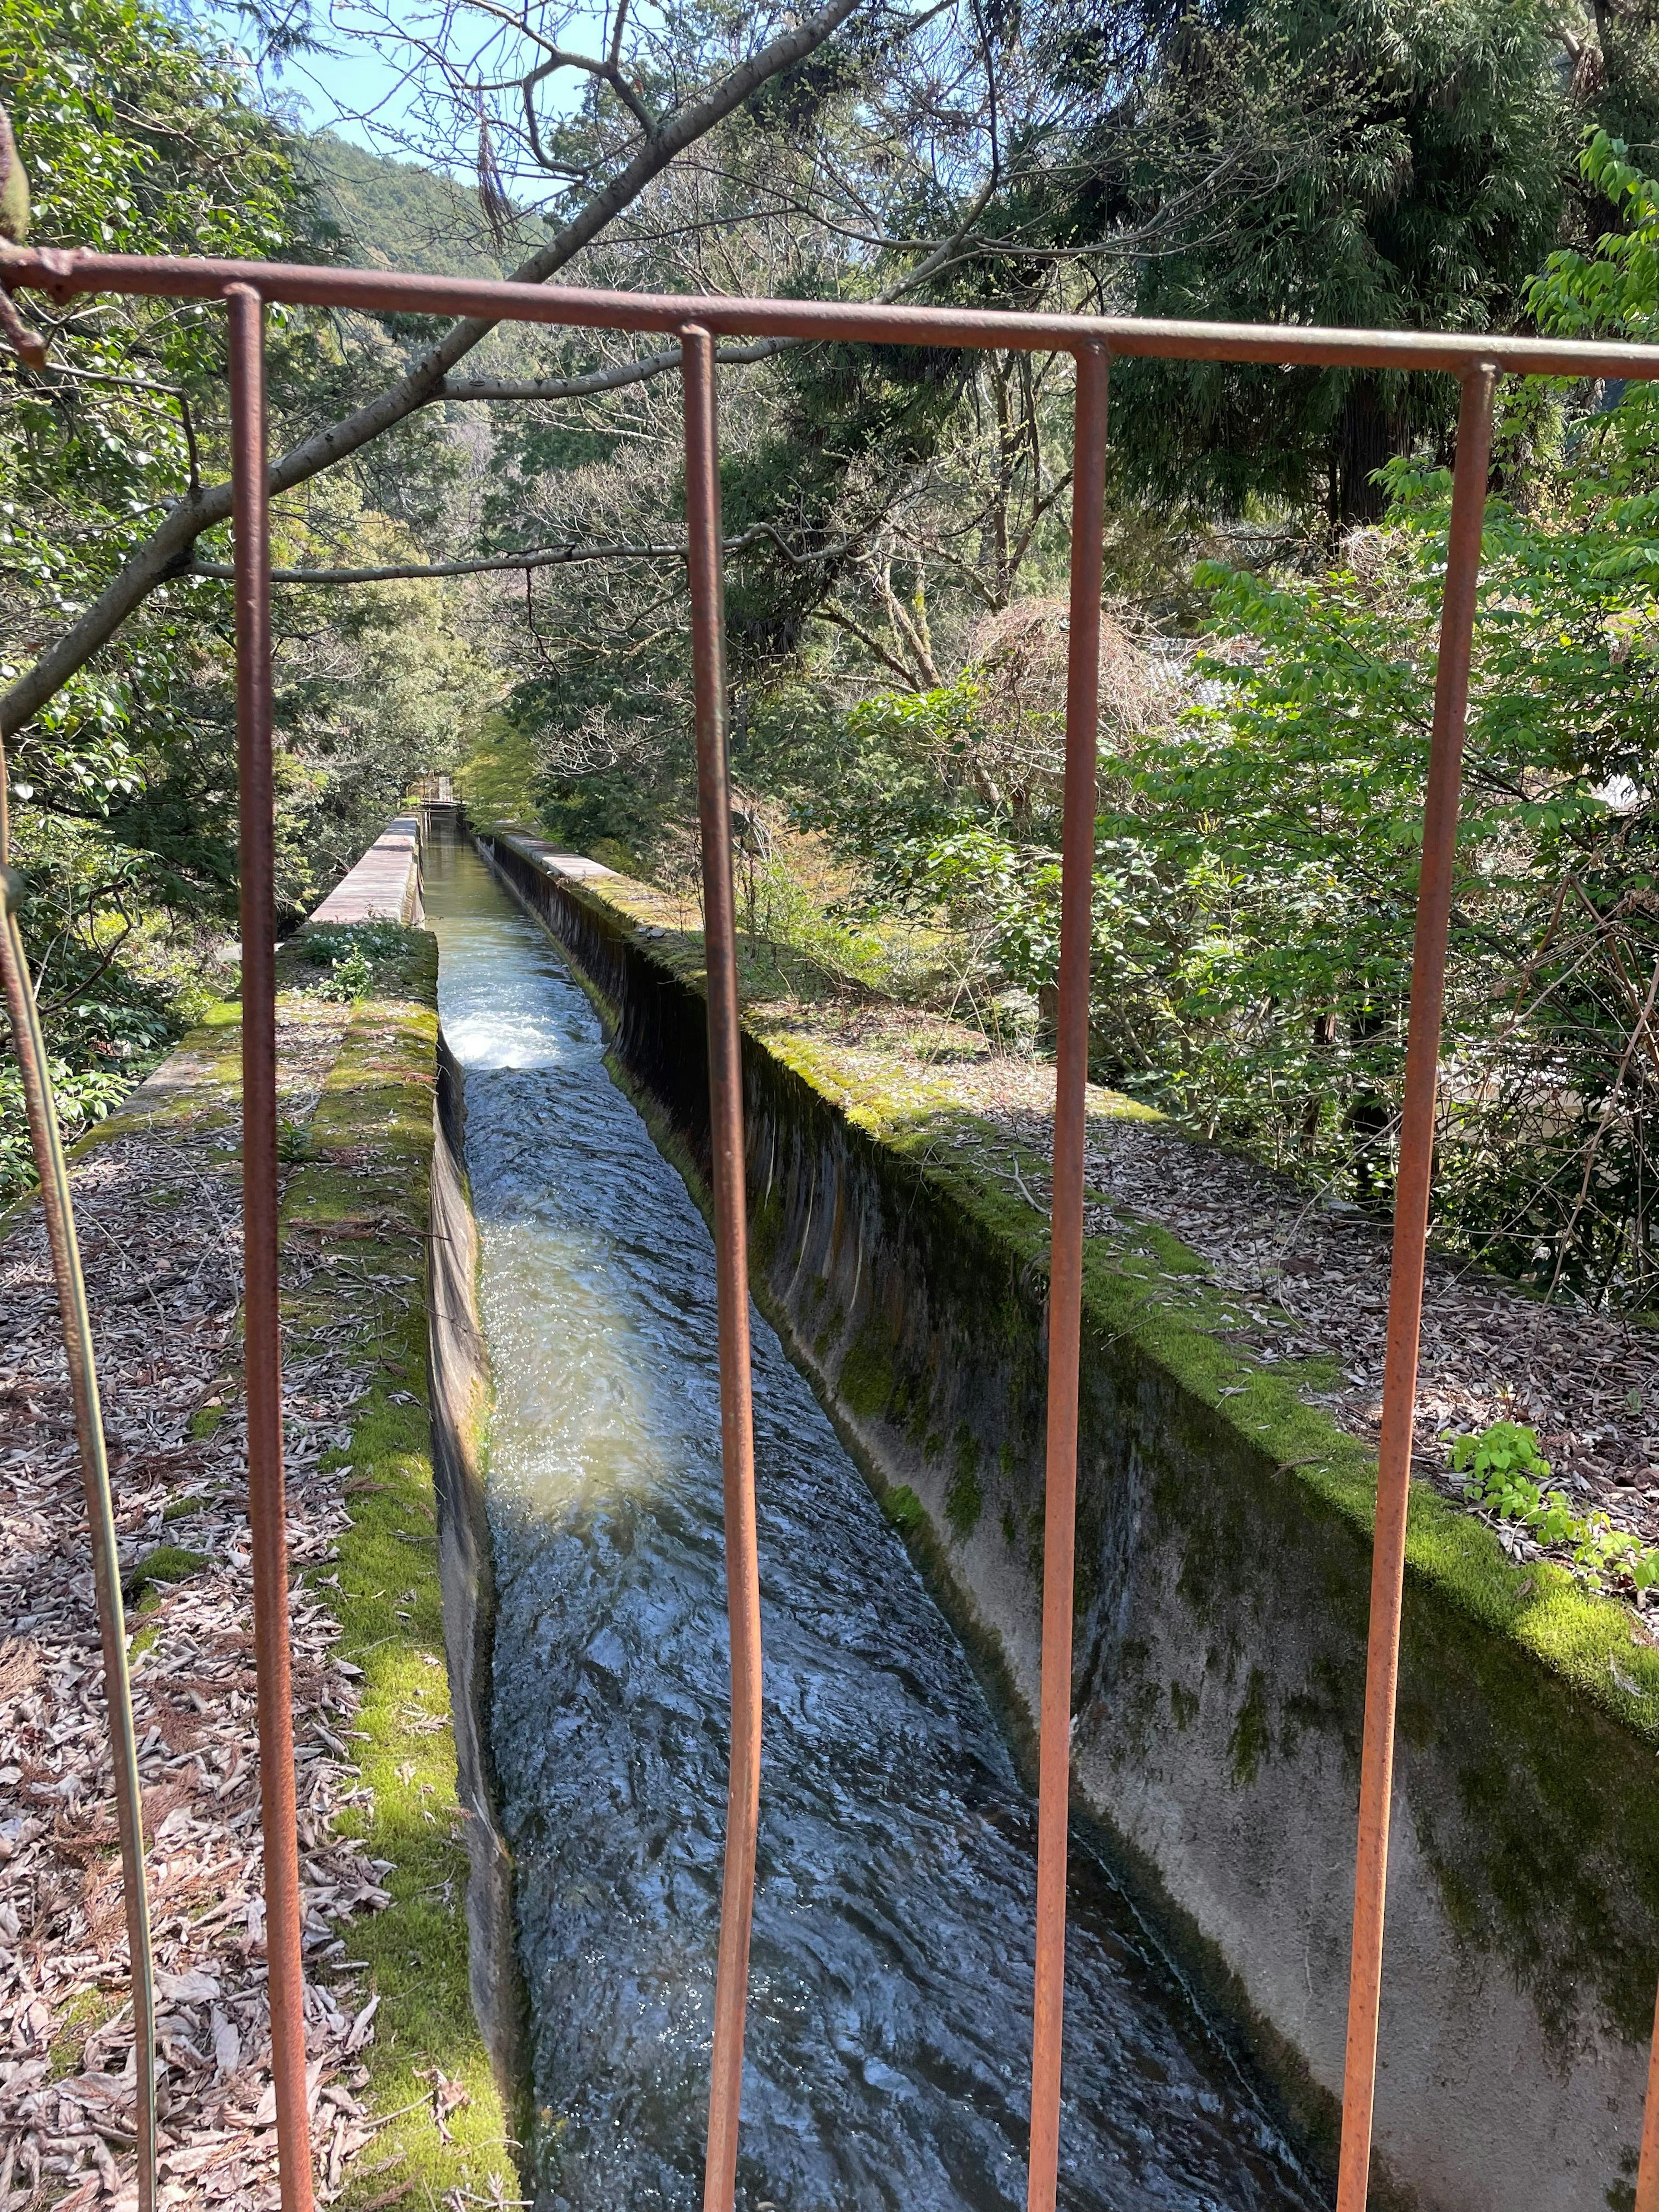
890, 2007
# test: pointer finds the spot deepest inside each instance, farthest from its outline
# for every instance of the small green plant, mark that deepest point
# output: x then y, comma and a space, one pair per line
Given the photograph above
328, 946
292, 1142
348, 979
1504, 1473
350, 954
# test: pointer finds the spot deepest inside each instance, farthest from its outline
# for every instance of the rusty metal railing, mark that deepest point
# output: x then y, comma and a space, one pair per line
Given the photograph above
57, 1209
1092, 341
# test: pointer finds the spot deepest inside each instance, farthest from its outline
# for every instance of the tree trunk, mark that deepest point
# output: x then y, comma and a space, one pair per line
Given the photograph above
1366, 436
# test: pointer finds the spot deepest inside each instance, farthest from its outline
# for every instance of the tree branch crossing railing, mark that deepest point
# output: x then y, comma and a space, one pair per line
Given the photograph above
695, 325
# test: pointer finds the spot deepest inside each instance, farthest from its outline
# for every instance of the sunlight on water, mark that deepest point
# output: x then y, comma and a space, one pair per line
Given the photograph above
889, 2029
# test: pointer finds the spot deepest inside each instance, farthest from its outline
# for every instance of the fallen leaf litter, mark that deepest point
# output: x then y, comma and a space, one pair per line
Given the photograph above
158, 1210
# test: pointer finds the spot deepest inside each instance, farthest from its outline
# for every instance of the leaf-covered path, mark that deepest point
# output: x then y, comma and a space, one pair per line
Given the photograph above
158, 1209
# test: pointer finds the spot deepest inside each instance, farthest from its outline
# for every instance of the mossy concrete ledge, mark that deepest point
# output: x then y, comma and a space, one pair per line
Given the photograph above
371, 1177
1223, 1570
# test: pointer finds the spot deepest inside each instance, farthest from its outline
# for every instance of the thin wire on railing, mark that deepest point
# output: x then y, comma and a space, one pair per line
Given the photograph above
55, 1206
1476, 360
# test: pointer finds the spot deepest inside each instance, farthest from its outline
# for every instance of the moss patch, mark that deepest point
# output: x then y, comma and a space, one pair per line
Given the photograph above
905, 1510
1251, 1740
964, 1499
867, 1381
167, 1563
358, 1210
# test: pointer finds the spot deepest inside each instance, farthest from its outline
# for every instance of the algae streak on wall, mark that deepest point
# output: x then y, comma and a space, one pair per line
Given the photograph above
1223, 1570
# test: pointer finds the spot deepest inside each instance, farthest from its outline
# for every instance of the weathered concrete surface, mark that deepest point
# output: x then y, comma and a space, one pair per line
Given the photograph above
1223, 1566
386, 883
459, 1388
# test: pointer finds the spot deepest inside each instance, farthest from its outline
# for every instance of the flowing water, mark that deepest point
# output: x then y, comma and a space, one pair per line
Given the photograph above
890, 2007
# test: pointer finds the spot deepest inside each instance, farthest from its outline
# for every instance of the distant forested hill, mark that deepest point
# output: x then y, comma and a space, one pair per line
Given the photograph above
398, 215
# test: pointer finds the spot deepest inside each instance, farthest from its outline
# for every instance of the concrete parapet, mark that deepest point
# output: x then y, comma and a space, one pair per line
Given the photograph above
386, 883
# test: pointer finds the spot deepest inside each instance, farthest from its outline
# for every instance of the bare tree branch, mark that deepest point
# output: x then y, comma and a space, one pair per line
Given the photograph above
660, 364
598, 379
167, 549
540, 556
871, 645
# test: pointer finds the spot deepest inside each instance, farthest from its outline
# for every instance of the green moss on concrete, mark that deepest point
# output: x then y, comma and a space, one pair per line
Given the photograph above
355, 1210
964, 1499
904, 1509
1583, 1637
868, 1382
358, 1212
1251, 1738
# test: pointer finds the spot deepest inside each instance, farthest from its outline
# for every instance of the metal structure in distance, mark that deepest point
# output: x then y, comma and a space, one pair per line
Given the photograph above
1477, 362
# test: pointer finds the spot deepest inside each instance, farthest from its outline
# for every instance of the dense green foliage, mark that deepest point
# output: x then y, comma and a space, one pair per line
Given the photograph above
1259, 841
1435, 192
897, 526
123, 791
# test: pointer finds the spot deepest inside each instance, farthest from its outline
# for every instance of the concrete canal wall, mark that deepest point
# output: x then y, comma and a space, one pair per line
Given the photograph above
376, 1240
1223, 1566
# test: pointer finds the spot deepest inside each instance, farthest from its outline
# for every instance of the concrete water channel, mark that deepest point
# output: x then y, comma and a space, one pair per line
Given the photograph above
888, 2038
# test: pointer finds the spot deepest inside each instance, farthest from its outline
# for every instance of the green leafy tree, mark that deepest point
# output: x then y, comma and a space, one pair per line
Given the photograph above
1258, 852
144, 138
1440, 142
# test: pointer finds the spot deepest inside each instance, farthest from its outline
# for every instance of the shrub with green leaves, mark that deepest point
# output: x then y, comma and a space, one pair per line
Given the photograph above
1257, 852
1504, 1473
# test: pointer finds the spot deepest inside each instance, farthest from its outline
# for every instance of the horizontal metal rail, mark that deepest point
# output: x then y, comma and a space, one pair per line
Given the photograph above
1092, 340
61, 275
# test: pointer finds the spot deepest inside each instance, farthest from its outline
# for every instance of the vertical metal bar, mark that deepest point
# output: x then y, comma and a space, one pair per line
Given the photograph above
702, 510
1066, 1266
1411, 1228
267, 1506
1647, 2172
77, 1321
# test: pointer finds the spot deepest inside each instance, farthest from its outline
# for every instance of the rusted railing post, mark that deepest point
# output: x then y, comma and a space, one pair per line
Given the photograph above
703, 513
262, 1317
1066, 1266
1411, 1228
57, 1208
1647, 2172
